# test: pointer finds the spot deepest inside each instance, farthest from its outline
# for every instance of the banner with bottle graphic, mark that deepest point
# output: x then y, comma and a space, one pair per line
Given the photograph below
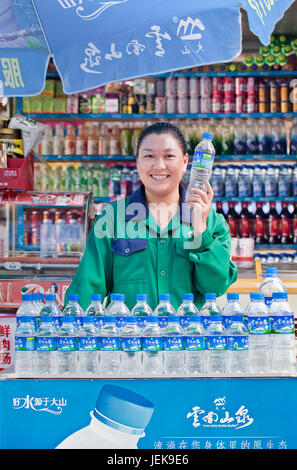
204, 413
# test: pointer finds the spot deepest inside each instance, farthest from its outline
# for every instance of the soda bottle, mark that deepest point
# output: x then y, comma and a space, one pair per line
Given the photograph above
245, 221
81, 179
286, 218
47, 141
260, 225
69, 140
194, 344
232, 218
271, 182
274, 225
110, 347
202, 163
152, 347
271, 283
81, 147
220, 210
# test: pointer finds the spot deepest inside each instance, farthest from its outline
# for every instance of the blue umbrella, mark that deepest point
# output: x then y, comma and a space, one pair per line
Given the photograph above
94, 42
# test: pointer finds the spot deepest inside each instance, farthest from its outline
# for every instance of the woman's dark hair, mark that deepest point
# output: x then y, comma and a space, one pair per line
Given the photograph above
162, 128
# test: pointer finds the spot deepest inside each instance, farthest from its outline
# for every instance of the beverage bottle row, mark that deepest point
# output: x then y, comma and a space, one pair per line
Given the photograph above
254, 180
164, 341
271, 227
276, 258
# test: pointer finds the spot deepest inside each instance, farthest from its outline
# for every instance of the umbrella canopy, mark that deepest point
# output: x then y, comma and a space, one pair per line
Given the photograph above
94, 42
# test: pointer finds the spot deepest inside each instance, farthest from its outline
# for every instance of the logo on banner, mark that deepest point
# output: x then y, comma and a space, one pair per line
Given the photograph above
219, 416
50, 405
80, 9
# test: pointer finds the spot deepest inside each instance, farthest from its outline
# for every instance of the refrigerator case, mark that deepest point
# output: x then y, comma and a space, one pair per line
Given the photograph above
42, 240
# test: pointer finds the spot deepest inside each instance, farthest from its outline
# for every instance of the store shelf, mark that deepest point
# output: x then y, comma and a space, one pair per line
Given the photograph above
233, 199
276, 246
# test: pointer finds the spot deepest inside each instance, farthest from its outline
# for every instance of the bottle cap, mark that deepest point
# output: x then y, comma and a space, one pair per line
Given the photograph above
117, 297
188, 296
96, 297
279, 295
123, 409
210, 296
232, 296
257, 296
271, 270
164, 297
141, 297
73, 297
50, 297
207, 135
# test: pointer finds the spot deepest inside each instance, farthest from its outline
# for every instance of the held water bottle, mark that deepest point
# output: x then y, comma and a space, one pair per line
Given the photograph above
27, 306
164, 309
203, 159
46, 346
118, 421
173, 347
110, 348
152, 347
216, 345
259, 329
194, 344
25, 344
66, 354
141, 310
271, 283
232, 307
238, 346
131, 347
88, 347
186, 309
95, 308
283, 349
117, 308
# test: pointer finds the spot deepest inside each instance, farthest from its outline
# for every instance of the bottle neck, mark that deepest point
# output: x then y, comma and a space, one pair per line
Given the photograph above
113, 435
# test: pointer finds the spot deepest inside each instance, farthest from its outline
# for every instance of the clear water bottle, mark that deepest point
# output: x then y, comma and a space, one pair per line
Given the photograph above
25, 344
210, 306
186, 308
293, 138
259, 328
294, 181
203, 159
271, 182
38, 302
216, 345
271, 283
74, 309
88, 347
50, 307
264, 137
217, 181
152, 347
27, 306
240, 146
141, 310
252, 141
119, 418
238, 346
194, 344
131, 348
258, 181
66, 354
284, 181
117, 308
283, 357
232, 307
46, 346
164, 309
231, 182
245, 183
173, 347
110, 348
95, 309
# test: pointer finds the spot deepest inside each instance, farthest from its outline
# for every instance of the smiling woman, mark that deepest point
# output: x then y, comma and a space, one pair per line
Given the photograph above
183, 245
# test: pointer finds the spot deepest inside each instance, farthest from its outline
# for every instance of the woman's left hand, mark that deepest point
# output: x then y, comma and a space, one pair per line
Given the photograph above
201, 202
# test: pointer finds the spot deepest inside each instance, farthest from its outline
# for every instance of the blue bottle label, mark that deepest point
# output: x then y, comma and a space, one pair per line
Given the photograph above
33, 321
88, 343
57, 321
78, 321
152, 343
110, 343
231, 188
163, 322
23, 343
173, 343
259, 325
141, 321
238, 343
184, 321
120, 322
131, 343
194, 343
203, 160
268, 301
98, 322
227, 320
46, 343
66, 343
216, 343
283, 324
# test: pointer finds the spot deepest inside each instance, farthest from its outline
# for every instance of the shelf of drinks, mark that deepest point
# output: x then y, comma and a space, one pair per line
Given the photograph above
276, 246
229, 199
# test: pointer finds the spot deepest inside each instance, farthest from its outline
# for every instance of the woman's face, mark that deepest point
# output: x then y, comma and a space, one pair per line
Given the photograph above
161, 164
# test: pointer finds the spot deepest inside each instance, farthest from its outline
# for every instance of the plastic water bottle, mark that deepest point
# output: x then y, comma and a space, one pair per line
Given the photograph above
117, 308
164, 309
278, 137
283, 357
294, 180
194, 344
293, 138
271, 283
232, 307
66, 354
173, 346
252, 142
271, 183
264, 138
231, 182
141, 310
259, 328
110, 348
186, 308
50, 308
88, 347
95, 308
203, 159
74, 309
210, 306
118, 420
217, 181
216, 345
245, 184
27, 306
131, 347
46, 346
284, 181
238, 346
37, 299
258, 181
25, 344
152, 347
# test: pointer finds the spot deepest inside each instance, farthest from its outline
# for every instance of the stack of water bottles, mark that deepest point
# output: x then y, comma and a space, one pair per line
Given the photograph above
117, 342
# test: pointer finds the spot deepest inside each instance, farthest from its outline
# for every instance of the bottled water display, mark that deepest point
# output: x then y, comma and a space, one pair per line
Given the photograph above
46, 346
164, 309
216, 345
50, 308
95, 308
271, 283
283, 348
110, 348
27, 306
117, 308
88, 347
238, 346
131, 347
259, 334
25, 344
74, 309
173, 347
210, 306
194, 344
187, 308
66, 359
232, 307
152, 347
202, 163
141, 309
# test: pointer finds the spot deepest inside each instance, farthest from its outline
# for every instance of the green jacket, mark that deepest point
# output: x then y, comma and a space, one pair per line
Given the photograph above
133, 256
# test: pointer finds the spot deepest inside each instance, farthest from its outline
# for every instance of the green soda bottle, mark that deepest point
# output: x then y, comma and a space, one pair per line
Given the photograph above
70, 182
81, 179
59, 180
